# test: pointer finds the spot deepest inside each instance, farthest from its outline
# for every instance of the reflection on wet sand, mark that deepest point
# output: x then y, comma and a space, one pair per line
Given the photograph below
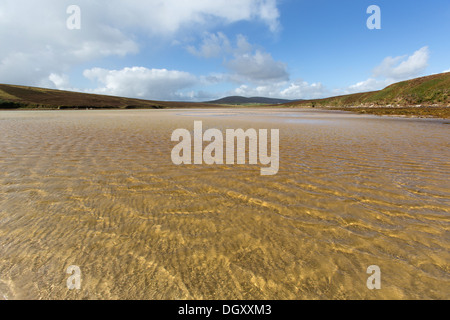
97, 189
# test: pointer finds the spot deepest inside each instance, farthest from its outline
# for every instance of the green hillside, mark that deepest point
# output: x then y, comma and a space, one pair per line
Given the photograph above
426, 91
421, 97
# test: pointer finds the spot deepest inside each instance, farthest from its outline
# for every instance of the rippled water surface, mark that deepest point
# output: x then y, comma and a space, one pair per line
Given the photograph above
97, 189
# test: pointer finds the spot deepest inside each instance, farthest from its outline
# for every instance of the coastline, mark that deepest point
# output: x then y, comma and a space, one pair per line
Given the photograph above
403, 112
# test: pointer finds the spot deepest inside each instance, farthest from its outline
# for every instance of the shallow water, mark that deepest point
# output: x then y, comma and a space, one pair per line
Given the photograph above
97, 189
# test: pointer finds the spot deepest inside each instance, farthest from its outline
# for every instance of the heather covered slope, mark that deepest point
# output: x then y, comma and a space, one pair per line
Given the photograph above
14, 97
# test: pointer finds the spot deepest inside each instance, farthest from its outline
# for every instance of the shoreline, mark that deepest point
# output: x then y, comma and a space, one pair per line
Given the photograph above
402, 112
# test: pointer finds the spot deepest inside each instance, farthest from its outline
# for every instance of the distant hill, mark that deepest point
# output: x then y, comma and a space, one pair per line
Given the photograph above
237, 100
432, 90
15, 97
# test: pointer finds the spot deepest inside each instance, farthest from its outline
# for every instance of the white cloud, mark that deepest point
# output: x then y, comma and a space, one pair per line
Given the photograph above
446, 71
169, 16
213, 45
242, 45
391, 70
140, 82
58, 81
246, 62
285, 90
304, 90
219, 45
162, 84
370, 84
36, 43
403, 67
257, 67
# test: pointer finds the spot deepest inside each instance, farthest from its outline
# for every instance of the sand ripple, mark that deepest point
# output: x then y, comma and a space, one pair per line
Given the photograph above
97, 189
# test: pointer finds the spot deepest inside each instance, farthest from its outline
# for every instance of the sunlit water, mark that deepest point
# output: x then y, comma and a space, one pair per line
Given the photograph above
97, 189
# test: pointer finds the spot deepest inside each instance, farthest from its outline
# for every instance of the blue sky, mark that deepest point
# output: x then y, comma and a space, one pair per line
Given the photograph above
202, 50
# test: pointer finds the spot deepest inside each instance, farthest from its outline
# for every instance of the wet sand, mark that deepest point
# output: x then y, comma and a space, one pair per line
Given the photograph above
98, 189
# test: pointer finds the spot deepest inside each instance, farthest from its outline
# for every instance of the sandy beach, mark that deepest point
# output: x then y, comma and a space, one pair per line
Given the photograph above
98, 189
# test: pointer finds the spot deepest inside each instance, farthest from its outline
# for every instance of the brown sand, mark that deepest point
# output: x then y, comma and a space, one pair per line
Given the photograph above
97, 189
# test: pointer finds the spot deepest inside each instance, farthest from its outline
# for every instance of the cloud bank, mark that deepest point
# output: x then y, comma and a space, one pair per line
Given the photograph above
140, 82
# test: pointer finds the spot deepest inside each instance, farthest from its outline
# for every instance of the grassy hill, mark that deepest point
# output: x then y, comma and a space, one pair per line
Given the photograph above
425, 96
15, 97
237, 100
426, 91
